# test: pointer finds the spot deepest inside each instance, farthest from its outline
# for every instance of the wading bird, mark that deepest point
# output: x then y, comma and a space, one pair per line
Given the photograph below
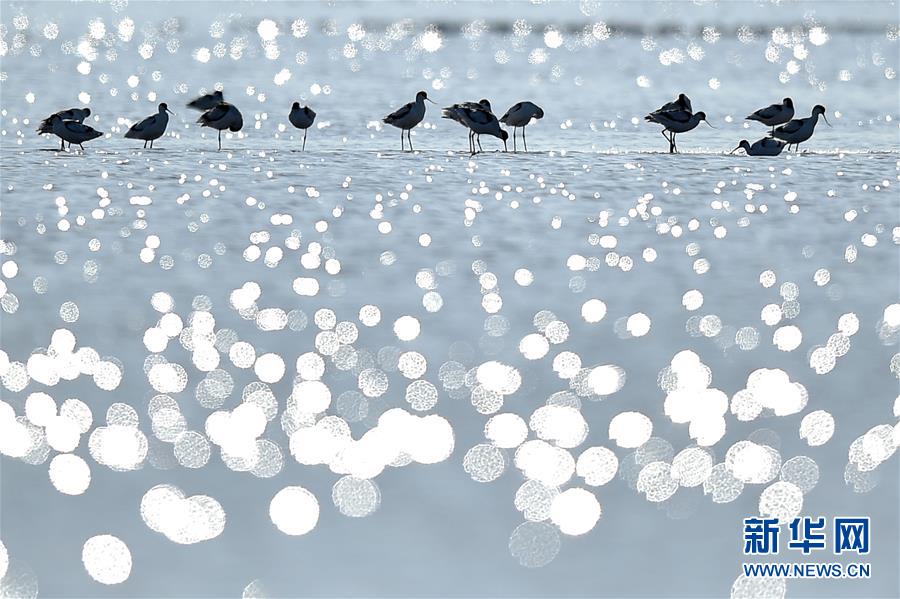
774, 115
676, 121
767, 146
72, 132
480, 121
222, 116
408, 116
519, 116
799, 130
450, 112
152, 127
302, 118
72, 114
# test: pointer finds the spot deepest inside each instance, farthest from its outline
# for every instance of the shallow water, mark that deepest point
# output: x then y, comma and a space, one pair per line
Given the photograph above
593, 212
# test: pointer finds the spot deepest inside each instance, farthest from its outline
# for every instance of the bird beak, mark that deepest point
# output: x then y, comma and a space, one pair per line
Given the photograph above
170, 112
432, 101
735, 150
826, 119
707, 122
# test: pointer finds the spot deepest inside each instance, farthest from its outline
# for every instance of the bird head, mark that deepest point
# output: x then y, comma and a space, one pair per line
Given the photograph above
87, 111
165, 108
295, 106
484, 103
744, 144
218, 94
702, 116
422, 95
788, 102
539, 114
819, 109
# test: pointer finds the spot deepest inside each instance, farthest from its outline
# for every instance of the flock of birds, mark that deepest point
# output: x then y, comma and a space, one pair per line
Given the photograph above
675, 117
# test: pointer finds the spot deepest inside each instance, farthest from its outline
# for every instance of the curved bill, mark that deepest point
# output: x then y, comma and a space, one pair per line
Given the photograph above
826, 119
170, 112
707, 122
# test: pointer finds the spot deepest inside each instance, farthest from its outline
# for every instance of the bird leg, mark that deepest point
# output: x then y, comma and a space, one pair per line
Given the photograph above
81, 146
480, 149
151, 144
304, 139
62, 145
668, 139
514, 139
409, 138
145, 144
524, 141
402, 142
220, 139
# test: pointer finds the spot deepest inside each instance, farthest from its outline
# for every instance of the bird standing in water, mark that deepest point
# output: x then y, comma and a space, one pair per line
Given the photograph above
302, 118
767, 146
151, 128
676, 121
480, 121
451, 113
774, 115
520, 115
72, 132
798, 131
408, 116
72, 114
222, 116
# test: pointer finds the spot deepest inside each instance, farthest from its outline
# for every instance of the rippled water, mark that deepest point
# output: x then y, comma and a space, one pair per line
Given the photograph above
478, 251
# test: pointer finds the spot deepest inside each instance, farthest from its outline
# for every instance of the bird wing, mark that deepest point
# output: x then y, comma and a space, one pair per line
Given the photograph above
400, 112
515, 108
214, 114
669, 107
767, 112
790, 126
144, 124
679, 116
687, 104
480, 116
81, 129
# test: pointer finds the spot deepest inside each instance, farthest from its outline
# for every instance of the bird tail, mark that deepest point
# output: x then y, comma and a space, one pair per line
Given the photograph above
131, 134
387, 120
95, 134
